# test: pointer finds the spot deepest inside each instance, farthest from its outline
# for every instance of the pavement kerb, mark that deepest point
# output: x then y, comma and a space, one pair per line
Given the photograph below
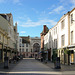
33, 72
68, 72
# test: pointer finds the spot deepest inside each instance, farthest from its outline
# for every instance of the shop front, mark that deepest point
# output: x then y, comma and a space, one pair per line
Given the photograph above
54, 55
1, 53
49, 54
71, 54
67, 55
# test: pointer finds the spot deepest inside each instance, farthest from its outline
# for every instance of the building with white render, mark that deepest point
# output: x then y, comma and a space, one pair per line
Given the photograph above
60, 39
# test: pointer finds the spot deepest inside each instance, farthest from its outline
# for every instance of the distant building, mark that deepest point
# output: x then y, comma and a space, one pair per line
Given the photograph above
29, 46
43, 33
44, 51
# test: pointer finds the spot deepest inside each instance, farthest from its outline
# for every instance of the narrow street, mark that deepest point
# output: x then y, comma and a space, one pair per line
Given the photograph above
30, 66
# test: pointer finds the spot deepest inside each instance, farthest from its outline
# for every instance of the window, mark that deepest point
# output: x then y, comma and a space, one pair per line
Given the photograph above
50, 34
22, 50
56, 30
71, 18
26, 54
20, 40
26, 50
71, 37
63, 24
22, 45
26, 45
63, 40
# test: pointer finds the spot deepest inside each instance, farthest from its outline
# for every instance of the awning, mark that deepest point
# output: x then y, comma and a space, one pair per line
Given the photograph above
71, 46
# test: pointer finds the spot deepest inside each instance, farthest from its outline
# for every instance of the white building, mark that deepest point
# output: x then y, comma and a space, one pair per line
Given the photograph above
50, 41
60, 38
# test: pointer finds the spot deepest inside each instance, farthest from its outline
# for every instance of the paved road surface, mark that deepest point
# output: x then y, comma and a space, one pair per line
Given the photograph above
30, 67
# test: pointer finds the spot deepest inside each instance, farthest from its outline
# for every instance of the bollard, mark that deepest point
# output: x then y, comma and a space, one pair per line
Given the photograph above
6, 62
57, 63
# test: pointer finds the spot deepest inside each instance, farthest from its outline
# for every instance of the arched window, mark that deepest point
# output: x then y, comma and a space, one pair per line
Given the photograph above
36, 47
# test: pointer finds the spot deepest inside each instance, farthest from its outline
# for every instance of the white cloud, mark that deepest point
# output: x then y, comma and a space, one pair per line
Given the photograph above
22, 32
17, 2
2, 1
52, 7
73, 2
13, 1
57, 10
30, 23
35, 10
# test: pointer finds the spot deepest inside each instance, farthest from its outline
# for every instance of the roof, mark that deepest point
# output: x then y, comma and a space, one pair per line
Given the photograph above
46, 31
4, 15
25, 39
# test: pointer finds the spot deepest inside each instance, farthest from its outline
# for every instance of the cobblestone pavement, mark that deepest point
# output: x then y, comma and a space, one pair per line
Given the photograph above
35, 67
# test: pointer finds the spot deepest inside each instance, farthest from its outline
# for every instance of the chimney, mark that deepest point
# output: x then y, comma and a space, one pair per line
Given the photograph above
44, 28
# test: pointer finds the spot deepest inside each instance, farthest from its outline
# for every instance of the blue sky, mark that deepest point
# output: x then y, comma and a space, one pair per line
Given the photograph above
31, 15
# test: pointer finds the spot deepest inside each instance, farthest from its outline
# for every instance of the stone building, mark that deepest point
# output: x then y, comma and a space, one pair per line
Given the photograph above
29, 46
8, 36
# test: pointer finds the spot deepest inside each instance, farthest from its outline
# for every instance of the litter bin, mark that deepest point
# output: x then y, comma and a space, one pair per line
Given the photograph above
57, 63
6, 62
